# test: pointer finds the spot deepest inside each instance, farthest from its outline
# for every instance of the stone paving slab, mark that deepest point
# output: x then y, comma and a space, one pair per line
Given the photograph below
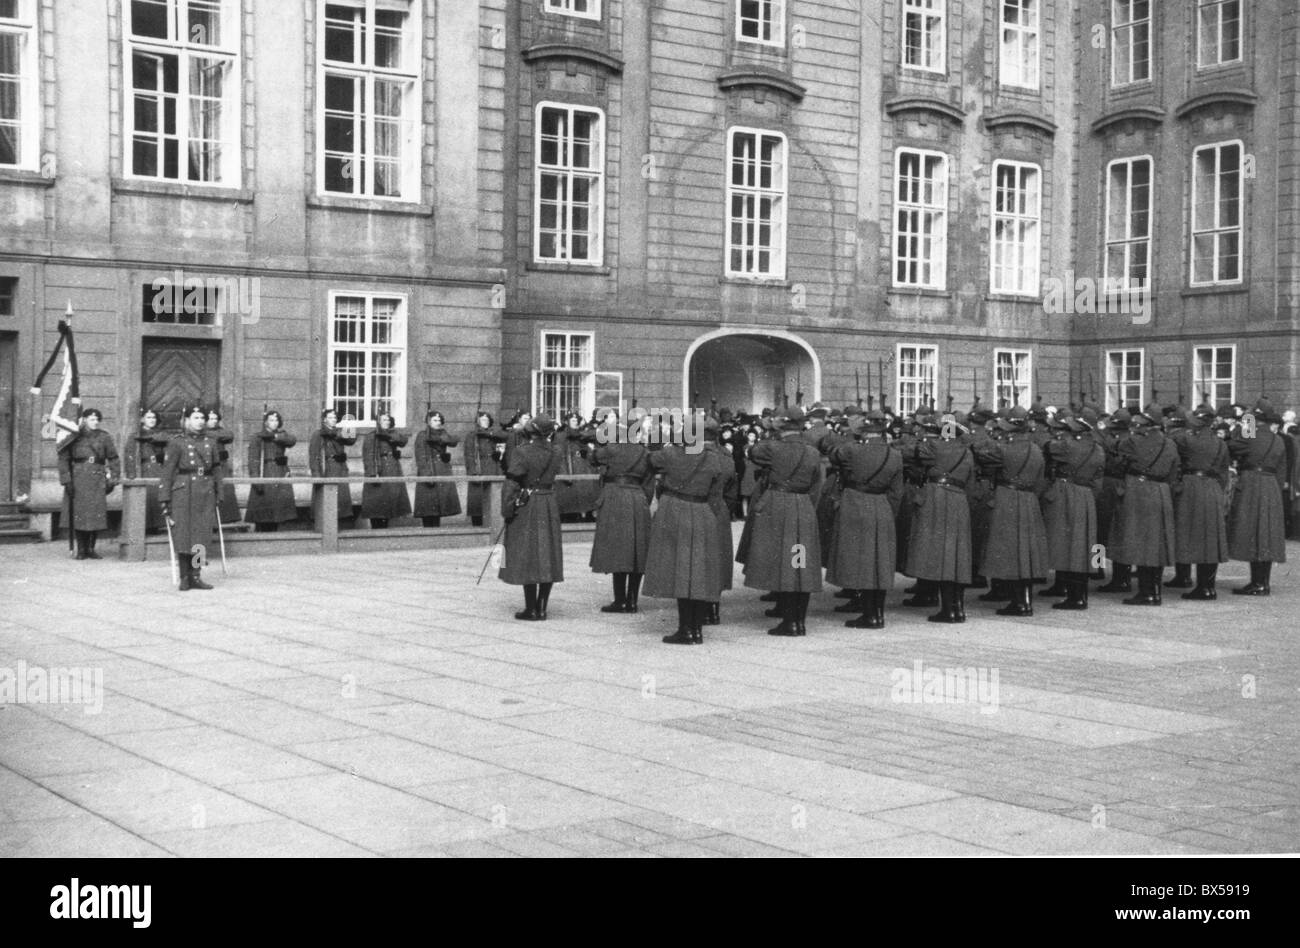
276, 716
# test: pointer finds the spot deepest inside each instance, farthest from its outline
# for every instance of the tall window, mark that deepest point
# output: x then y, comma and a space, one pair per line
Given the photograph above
183, 91
1216, 214
921, 219
918, 368
368, 356
1213, 375
1017, 210
566, 381
569, 190
8, 290
756, 194
368, 95
1218, 32
19, 117
1123, 378
924, 34
586, 9
761, 21
1128, 224
1130, 41
1012, 373
1019, 51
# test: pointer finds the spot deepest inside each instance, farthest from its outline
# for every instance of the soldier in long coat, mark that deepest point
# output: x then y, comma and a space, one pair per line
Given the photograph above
1076, 463
433, 459
1112, 437
142, 458
1257, 531
88, 471
191, 484
1200, 534
785, 550
223, 439
533, 549
722, 500
938, 550
980, 494
483, 450
381, 453
684, 561
922, 592
576, 499
863, 547
327, 456
270, 505
1143, 533
622, 539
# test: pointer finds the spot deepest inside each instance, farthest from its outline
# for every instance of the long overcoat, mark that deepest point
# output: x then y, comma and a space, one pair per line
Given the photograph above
533, 547
623, 512
1076, 465
862, 549
684, 558
268, 456
1200, 506
784, 554
1257, 531
87, 469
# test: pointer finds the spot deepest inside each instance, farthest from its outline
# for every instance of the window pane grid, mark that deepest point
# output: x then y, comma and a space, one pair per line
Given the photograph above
570, 160
761, 21
1016, 213
1012, 375
1128, 224
920, 240
1123, 378
923, 34
1214, 377
756, 208
1216, 214
1130, 41
367, 358
1020, 43
1219, 32
917, 370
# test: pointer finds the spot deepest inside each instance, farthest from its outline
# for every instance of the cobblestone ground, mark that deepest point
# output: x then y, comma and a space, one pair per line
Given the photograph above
382, 704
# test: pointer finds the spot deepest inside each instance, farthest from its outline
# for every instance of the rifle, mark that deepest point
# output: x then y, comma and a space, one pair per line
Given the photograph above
857, 385
261, 471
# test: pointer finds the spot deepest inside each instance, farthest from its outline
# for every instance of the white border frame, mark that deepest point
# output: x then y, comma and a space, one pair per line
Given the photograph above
898, 372
1151, 47
589, 389
750, 331
1028, 399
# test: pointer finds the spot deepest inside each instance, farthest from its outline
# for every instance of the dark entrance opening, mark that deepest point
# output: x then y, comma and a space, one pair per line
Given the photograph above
750, 372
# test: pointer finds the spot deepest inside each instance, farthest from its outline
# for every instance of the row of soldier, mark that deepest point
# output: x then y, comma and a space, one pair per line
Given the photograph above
1001, 501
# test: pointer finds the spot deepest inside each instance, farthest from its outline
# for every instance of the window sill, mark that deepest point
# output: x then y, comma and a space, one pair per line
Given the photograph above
176, 189
1014, 297
1220, 289
324, 202
920, 291
33, 179
574, 268
765, 283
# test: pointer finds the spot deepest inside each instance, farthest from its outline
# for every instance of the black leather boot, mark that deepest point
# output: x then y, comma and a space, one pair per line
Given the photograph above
1120, 581
1076, 592
1022, 603
947, 611
620, 595
1058, 588
633, 591
1000, 590
196, 582
1146, 594
856, 604
846, 594
91, 537
1206, 573
185, 577
700, 616
913, 589
683, 635
926, 596
873, 611
789, 606
958, 601
530, 604
81, 545
543, 599
770, 597
1182, 576
1258, 585
802, 601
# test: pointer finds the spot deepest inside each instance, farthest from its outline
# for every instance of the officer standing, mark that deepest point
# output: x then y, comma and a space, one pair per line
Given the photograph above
622, 537
1200, 535
534, 549
1016, 549
863, 547
483, 451
381, 455
88, 471
1258, 532
142, 457
327, 456
1143, 535
938, 551
191, 483
1075, 463
784, 556
270, 505
433, 459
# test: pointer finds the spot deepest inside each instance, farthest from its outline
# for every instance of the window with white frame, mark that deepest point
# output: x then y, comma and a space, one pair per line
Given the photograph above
761, 21
918, 369
1012, 372
369, 98
924, 34
1217, 214
1019, 47
367, 355
19, 116
183, 113
567, 378
756, 198
1128, 224
584, 9
569, 187
1017, 212
1213, 375
1130, 41
1218, 32
1123, 378
921, 219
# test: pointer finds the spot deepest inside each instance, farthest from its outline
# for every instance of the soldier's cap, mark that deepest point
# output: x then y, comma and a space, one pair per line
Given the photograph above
542, 424
1014, 419
1205, 411
852, 410
793, 418
1076, 425
1060, 422
979, 415
766, 413
875, 421
1121, 417
855, 423
1266, 412
1038, 412
1089, 416
1176, 416
1143, 419
818, 411
1169, 411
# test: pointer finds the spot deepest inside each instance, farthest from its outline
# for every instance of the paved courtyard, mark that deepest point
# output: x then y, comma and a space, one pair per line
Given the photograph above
381, 704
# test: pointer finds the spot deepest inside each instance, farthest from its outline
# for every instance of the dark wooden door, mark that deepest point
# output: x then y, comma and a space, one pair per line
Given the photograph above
179, 372
8, 410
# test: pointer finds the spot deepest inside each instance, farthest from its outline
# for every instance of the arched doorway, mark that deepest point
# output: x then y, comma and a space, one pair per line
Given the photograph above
747, 370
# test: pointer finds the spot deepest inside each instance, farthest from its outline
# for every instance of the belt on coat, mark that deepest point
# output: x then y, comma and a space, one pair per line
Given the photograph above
1019, 487
688, 498
1071, 480
945, 480
780, 489
864, 489
627, 480
1242, 468
1148, 477
1201, 473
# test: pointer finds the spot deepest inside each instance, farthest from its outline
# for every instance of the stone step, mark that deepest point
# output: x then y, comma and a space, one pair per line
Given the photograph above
18, 535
